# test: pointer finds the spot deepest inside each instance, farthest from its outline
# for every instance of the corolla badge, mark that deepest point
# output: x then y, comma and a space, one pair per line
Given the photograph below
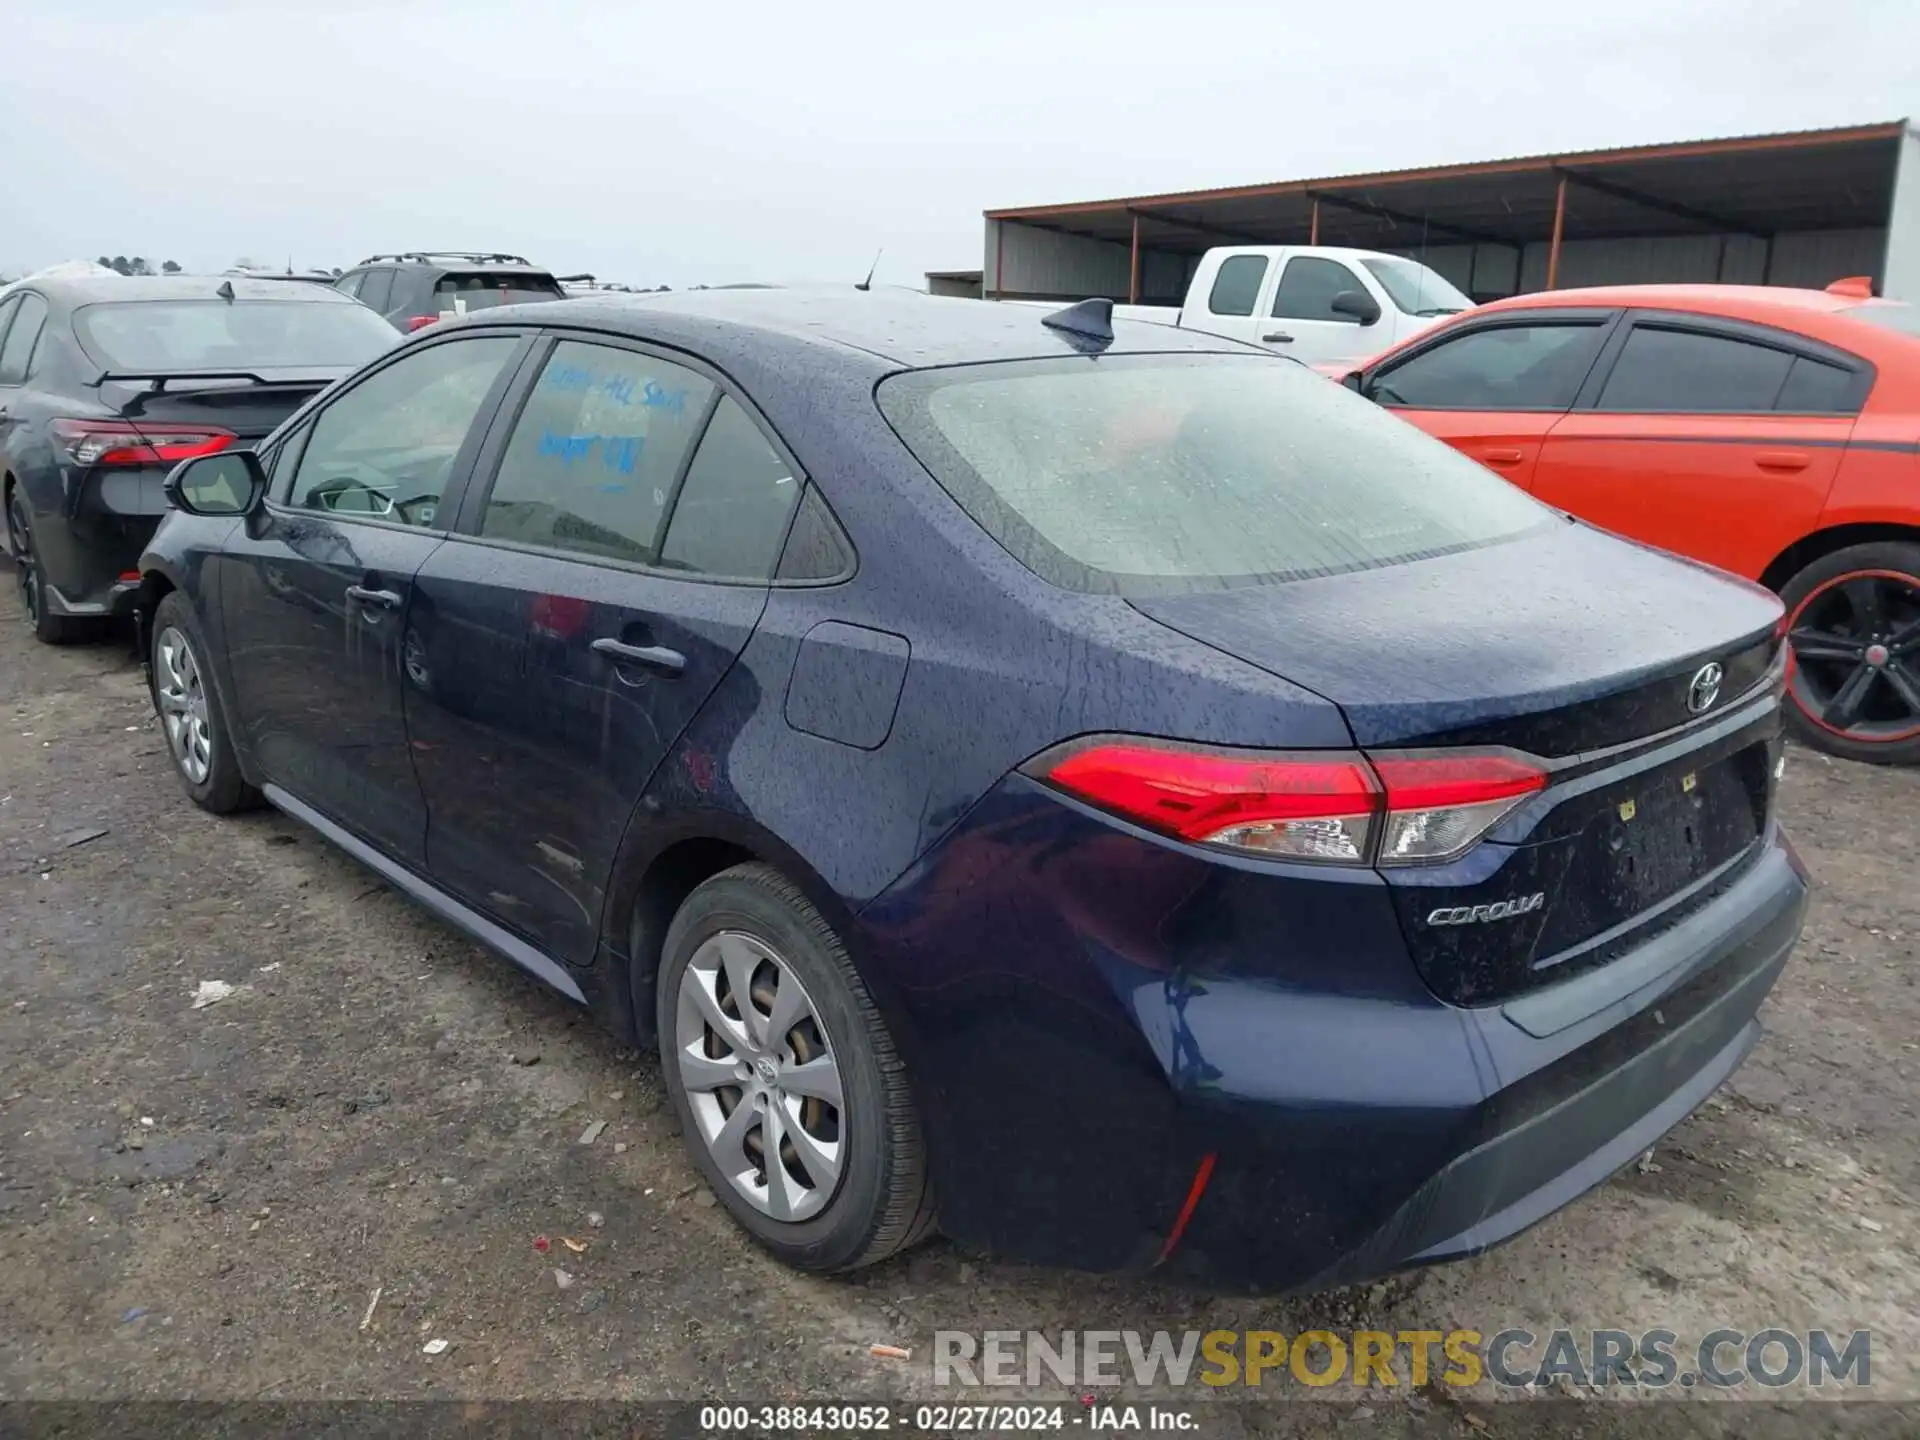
1704, 688
1480, 914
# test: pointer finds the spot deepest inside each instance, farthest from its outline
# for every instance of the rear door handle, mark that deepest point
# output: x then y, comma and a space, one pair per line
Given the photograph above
654, 657
379, 599
1783, 460
1276, 337
1502, 455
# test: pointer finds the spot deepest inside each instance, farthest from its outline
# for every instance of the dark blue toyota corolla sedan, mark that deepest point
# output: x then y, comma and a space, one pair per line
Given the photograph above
1101, 789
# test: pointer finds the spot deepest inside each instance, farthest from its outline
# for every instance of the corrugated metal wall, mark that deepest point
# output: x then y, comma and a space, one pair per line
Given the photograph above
1046, 265
1903, 228
1812, 259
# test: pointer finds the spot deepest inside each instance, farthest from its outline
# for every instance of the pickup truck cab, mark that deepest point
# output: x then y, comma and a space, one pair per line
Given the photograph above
1321, 305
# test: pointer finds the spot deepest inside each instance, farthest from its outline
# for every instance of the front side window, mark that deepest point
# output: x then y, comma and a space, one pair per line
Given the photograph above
386, 448
1504, 367
591, 464
158, 337
16, 353
733, 509
1307, 287
1162, 474
1685, 372
1236, 289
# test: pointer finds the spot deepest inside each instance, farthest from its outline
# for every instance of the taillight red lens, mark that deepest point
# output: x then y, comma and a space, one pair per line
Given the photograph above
1341, 807
1310, 807
117, 442
420, 322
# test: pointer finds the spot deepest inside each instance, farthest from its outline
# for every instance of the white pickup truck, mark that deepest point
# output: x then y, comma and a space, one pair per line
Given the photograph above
1322, 305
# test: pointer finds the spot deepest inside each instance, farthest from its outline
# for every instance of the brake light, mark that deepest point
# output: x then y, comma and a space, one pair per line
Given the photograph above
1338, 807
116, 442
420, 322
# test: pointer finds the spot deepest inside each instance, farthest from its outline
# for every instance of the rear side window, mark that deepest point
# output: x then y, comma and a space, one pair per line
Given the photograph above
734, 505
591, 464
816, 548
376, 288
1815, 388
162, 336
1507, 367
1236, 288
16, 353
458, 292
1687, 372
1307, 287
1160, 474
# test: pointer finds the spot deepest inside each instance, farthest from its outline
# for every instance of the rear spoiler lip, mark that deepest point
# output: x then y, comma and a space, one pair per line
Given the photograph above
160, 378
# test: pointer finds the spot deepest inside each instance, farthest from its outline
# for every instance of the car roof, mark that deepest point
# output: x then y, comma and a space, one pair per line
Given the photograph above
1777, 303
905, 327
94, 289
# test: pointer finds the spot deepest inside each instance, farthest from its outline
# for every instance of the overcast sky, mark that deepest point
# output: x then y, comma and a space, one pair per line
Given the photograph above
737, 139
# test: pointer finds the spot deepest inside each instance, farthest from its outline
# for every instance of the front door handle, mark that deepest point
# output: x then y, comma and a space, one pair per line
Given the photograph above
654, 657
381, 599
1783, 460
1276, 337
1502, 456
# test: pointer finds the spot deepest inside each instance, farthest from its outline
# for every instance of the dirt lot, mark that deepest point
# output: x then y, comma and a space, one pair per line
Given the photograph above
200, 1203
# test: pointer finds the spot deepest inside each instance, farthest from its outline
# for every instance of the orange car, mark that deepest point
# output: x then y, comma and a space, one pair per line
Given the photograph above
1771, 432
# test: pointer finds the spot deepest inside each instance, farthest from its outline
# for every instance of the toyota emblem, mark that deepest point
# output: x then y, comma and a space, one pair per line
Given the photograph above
1704, 688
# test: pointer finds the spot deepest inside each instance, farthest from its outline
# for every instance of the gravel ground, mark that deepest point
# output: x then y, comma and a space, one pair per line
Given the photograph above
200, 1203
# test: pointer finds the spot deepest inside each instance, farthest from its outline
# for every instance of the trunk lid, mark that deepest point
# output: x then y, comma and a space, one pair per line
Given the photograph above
1574, 647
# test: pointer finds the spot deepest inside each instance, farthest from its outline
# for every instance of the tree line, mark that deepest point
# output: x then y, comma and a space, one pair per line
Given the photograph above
138, 265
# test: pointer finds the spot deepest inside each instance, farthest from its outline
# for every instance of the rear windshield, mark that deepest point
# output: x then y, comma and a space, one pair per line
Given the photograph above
1888, 314
1160, 474
457, 293
168, 335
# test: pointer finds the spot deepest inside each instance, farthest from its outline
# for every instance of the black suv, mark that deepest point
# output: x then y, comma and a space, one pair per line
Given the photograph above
417, 287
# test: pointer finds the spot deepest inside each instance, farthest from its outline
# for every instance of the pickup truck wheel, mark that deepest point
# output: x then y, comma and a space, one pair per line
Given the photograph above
792, 1100
1853, 622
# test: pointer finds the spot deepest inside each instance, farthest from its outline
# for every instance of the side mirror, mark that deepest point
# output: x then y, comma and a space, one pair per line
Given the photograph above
230, 482
1356, 303
1355, 380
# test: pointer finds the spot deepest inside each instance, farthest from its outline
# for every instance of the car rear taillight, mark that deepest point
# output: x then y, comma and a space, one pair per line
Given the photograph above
420, 322
1340, 807
116, 442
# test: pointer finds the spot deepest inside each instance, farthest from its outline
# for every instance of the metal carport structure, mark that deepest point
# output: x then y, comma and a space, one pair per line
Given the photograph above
1801, 208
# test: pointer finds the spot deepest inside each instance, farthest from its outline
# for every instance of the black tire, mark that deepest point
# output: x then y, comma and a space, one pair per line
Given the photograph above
32, 587
883, 1202
1819, 605
222, 790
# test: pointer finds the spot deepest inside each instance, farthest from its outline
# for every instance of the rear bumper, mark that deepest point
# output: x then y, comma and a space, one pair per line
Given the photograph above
97, 538
1077, 1063
1560, 1113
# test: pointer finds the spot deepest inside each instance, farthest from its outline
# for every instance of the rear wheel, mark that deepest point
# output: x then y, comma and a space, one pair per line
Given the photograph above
1853, 621
190, 714
30, 578
791, 1097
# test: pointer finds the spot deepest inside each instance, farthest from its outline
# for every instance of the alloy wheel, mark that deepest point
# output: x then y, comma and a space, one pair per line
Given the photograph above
28, 575
1856, 654
183, 705
760, 1075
